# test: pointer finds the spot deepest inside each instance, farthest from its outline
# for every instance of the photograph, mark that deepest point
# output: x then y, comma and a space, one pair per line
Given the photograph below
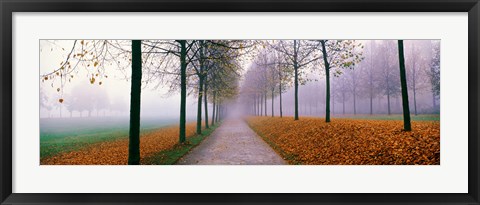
239, 102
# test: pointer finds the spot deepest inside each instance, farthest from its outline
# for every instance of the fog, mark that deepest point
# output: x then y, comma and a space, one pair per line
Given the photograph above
110, 99
372, 86
368, 84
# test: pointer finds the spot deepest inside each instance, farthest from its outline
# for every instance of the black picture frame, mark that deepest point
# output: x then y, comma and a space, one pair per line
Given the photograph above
7, 7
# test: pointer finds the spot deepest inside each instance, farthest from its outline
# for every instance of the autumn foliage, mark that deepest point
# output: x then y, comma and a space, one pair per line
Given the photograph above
116, 152
350, 141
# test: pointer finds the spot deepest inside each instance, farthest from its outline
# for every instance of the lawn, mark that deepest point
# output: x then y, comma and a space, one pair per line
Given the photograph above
350, 141
70, 134
105, 142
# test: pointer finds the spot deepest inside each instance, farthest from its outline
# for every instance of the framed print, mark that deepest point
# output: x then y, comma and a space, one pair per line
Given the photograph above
239, 102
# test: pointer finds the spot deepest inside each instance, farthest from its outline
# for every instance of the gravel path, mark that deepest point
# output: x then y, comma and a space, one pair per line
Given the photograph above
232, 143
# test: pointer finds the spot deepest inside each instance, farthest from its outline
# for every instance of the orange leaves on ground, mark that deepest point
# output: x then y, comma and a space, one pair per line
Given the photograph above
116, 152
349, 141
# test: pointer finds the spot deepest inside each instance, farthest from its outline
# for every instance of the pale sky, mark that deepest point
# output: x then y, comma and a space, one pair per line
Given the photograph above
155, 103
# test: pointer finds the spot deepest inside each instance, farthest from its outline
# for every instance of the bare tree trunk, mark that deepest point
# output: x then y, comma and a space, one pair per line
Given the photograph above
280, 93
206, 105
273, 91
370, 78
199, 104
134, 137
218, 112
327, 76
403, 80
183, 90
310, 104
213, 108
265, 103
388, 101
295, 67
261, 105
371, 103
255, 104
333, 104
354, 100
414, 98
414, 80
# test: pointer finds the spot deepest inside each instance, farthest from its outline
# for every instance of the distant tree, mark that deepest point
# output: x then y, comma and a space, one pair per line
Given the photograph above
45, 101
209, 53
267, 68
338, 54
416, 64
86, 97
298, 54
285, 74
342, 89
369, 69
434, 73
118, 106
101, 102
353, 86
225, 84
389, 77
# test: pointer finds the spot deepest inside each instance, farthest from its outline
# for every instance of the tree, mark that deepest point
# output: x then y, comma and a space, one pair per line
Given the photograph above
225, 84
118, 106
353, 84
434, 73
268, 72
135, 95
403, 80
298, 54
338, 54
101, 102
268, 68
284, 78
82, 54
177, 56
341, 90
86, 97
390, 79
183, 89
415, 62
369, 69
201, 73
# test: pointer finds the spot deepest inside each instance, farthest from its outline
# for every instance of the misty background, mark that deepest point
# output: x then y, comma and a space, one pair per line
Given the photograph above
370, 87
111, 98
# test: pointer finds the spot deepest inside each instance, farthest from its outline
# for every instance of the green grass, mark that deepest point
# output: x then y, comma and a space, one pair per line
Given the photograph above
389, 117
66, 135
51, 146
169, 157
